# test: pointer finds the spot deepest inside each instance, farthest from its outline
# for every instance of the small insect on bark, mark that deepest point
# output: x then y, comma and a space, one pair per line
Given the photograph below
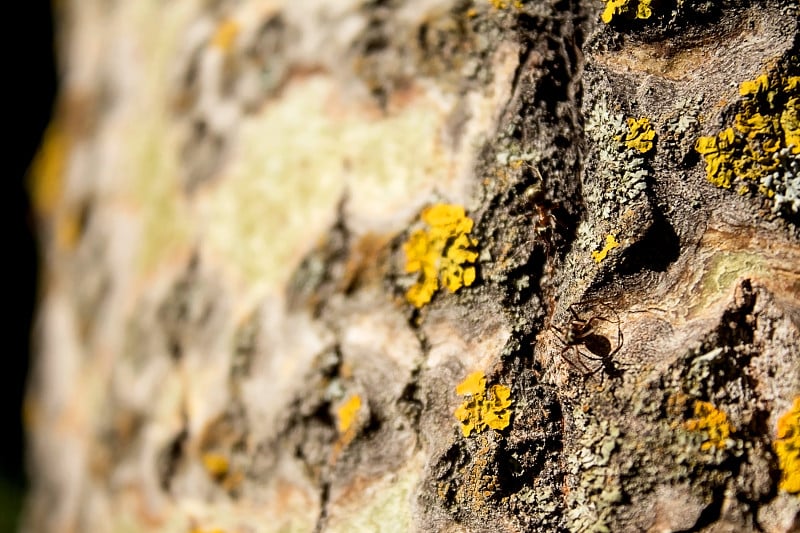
541, 212
586, 342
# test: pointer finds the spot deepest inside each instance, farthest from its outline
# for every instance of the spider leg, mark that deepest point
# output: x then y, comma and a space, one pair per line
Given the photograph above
579, 365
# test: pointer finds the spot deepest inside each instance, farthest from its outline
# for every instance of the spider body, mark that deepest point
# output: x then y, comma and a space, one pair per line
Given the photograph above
582, 338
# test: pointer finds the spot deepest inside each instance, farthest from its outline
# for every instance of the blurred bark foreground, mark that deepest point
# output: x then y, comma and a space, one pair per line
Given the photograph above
421, 265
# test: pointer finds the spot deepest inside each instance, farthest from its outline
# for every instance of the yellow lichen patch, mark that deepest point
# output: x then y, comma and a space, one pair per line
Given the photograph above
347, 412
48, 169
748, 152
225, 36
713, 422
216, 464
505, 4
787, 448
482, 408
611, 243
440, 253
630, 8
640, 135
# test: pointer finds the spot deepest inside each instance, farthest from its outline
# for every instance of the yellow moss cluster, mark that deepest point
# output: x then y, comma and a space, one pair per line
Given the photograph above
713, 422
769, 121
640, 135
482, 409
630, 8
787, 448
440, 253
611, 243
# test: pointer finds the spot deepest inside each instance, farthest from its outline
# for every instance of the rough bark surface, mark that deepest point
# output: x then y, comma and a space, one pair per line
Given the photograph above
225, 336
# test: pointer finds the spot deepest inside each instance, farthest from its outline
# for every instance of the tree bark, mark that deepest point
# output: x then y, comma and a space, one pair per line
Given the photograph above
433, 265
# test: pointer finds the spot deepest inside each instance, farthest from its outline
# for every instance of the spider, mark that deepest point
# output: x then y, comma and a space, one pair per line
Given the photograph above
584, 340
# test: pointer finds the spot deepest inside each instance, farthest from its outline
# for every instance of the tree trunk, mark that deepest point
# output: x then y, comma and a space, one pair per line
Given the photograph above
429, 265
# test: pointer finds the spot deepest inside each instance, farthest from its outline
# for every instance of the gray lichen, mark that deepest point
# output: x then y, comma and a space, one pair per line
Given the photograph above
622, 172
785, 181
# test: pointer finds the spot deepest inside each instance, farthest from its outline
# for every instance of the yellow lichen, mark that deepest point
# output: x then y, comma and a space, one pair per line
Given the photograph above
611, 243
713, 422
216, 464
48, 168
640, 135
505, 4
767, 122
441, 253
225, 36
630, 8
346, 414
787, 448
482, 408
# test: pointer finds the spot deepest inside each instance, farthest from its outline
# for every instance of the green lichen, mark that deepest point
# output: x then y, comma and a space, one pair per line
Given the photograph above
592, 501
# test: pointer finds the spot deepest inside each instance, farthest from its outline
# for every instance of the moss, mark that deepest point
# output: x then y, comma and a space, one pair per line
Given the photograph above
713, 422
787, 448
440, 253
482, 409
759, 152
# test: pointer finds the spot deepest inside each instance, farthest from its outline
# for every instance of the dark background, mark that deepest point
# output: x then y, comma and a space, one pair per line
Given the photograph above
31, 82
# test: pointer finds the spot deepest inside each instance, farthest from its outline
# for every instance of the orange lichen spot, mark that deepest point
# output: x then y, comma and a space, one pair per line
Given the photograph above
48, 169
441, 253
629, 8
611, 243
713, 422
767, 123
203, 530
787, 448
216, 464
347, 412
482, 408
225, 36
640, 135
